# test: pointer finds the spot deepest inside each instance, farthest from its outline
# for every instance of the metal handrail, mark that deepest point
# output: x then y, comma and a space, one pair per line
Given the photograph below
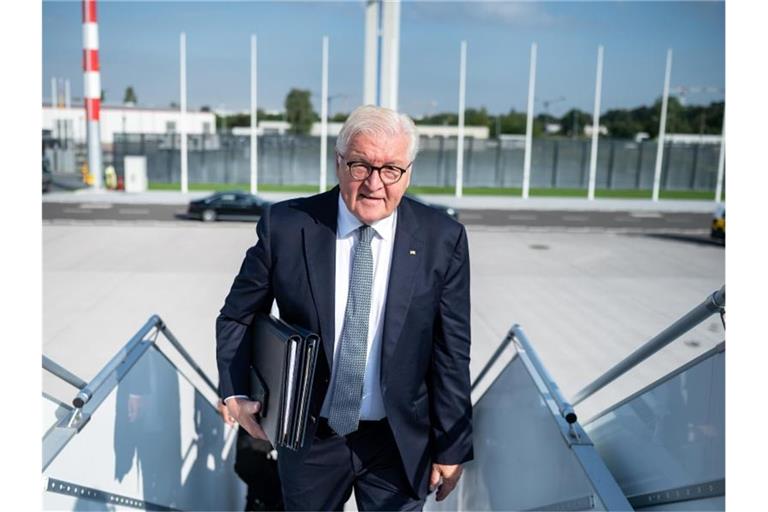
517, 335
62, 373
87, 390
715, 303
188, 358
566, 410
493, 359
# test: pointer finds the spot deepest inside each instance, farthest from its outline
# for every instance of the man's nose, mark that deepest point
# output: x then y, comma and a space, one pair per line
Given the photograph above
373, 181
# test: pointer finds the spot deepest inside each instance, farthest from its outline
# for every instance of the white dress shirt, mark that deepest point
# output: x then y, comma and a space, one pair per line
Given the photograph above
382, 243
372, 404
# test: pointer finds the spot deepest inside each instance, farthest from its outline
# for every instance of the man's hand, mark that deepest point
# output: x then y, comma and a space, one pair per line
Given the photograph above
244, 412
224, 412
446, 476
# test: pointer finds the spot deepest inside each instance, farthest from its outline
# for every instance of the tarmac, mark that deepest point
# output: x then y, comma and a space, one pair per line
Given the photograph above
461, 203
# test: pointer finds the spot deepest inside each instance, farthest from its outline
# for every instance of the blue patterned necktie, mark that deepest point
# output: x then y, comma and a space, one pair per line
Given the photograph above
348, 387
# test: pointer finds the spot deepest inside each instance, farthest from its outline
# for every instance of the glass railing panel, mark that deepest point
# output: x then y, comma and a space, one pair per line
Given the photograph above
522, 460
667, 442
53, 411
154, 439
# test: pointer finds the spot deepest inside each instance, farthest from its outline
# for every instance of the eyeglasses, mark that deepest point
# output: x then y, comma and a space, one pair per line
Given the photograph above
389, 174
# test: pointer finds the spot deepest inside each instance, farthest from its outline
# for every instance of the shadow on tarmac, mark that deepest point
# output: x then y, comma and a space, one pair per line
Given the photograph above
701, 240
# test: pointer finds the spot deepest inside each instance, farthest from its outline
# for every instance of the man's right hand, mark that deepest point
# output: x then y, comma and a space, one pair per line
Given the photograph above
244, 412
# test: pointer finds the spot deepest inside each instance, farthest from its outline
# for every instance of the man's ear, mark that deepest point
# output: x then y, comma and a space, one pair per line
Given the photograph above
338, 165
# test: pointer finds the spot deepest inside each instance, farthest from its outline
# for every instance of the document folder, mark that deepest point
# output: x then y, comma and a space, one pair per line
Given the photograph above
283, 360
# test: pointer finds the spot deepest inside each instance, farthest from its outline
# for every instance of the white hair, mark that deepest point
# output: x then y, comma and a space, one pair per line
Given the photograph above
377, 121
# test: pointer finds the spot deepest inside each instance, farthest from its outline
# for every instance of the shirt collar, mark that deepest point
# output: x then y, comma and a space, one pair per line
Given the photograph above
347, 223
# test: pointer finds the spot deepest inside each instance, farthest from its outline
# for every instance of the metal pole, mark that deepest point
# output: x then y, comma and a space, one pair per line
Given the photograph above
54, 102
324, 120
63, 373
87, 392
566, 410
67, 96
254, 121
92, 90
370, 68
460, 138
529, 124
713, 304
595, 124
390, 51
721, 165
662, 128
183, 117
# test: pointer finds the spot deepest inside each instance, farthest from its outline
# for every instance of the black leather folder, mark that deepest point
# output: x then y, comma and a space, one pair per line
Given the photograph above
282, 370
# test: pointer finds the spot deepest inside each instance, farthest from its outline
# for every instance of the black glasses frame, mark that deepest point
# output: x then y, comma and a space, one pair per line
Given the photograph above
370, 168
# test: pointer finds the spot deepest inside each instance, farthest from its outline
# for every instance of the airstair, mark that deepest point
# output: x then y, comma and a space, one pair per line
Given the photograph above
145, 434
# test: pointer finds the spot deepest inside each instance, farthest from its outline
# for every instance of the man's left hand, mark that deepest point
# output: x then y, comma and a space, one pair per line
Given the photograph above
446, 476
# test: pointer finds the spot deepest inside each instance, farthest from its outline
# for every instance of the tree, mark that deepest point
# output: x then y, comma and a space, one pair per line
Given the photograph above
129, 98
443, 118
298, 111
339, 117
474, 117
512, 123
574, 121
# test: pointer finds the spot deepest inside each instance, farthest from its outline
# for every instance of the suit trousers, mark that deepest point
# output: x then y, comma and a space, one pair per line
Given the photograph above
367, 460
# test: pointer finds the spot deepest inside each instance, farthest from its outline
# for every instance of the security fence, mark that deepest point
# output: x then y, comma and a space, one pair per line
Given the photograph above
556, 162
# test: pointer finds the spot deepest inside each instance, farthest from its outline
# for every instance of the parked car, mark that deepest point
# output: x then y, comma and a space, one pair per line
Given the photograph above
445, 209
718, 223
234, 205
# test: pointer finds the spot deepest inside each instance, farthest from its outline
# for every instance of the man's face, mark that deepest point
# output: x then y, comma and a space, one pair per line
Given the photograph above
370, 200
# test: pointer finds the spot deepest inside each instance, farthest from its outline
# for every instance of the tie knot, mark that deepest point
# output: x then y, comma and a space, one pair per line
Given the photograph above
366, 234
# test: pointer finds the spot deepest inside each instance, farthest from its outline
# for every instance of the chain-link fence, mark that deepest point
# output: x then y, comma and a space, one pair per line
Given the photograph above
555, 162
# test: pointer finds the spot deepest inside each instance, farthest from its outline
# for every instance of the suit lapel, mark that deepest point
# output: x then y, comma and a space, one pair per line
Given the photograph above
320, 255
406, 257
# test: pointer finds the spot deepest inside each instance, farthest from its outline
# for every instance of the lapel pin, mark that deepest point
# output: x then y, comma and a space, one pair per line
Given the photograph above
412, 252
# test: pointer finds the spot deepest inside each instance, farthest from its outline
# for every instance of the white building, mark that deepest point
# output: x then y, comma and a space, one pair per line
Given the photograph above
281, 127
69, 123
603, 130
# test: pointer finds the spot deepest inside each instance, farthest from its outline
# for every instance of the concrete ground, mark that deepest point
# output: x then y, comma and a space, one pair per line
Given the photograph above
585, 300
465, 202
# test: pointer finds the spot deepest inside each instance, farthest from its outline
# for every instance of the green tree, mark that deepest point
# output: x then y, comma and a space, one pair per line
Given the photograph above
442, 119
298, 111
512, 123
474, 117
339, 117
574, 121
130, 96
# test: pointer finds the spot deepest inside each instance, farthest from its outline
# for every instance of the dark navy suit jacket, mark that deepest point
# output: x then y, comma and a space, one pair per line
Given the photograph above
426, 337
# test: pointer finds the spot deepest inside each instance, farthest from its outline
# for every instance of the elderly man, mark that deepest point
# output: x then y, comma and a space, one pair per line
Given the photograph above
384, 280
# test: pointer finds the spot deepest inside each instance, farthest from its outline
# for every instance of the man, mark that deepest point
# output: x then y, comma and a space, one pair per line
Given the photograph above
384, 280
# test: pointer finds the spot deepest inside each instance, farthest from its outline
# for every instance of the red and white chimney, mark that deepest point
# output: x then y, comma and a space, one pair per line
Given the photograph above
92, 89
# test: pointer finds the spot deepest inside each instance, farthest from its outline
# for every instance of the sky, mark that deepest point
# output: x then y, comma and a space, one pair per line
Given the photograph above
139, 46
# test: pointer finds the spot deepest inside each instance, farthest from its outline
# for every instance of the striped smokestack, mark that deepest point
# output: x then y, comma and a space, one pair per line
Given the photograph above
92, 89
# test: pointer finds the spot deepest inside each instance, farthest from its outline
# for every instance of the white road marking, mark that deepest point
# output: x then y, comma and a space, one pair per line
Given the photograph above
133, 211
73, 210
575, 218
521, 217
96, 206
645, 215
